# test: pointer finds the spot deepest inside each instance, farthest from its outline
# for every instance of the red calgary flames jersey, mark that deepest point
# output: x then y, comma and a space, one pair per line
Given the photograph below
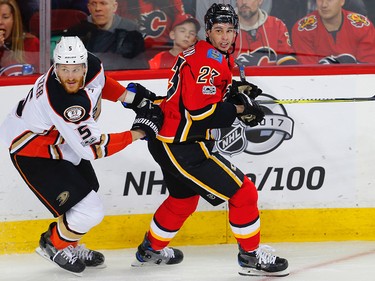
355, 38
269, 44
197, 85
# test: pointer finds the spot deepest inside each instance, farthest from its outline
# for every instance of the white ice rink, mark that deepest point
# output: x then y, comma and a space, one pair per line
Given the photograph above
326, 261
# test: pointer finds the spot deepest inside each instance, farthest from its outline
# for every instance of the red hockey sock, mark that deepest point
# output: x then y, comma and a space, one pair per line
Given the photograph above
244, 216
169, 218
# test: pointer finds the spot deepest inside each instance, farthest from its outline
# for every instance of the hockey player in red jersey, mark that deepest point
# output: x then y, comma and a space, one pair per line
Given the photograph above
333, 35
263, 39
52, 135
200, 97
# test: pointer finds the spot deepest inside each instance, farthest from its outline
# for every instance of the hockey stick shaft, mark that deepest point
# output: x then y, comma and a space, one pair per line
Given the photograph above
316, 100
308, 100
241, 67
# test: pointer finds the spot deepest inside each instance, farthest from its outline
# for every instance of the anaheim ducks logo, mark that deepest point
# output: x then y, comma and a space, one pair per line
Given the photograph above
63, 197
358, 20
308, 23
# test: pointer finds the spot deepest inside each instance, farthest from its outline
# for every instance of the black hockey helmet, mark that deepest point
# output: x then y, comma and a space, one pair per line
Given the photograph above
221, 13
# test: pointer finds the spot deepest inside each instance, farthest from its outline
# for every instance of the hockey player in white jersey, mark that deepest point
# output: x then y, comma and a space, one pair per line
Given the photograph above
52, 135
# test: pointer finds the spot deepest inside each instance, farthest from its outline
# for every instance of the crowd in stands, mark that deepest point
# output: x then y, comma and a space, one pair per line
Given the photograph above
19, 50
149, 34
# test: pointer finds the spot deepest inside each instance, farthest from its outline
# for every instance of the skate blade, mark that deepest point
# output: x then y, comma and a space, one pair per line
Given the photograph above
246, 271
101, 266
43, 254
137, 263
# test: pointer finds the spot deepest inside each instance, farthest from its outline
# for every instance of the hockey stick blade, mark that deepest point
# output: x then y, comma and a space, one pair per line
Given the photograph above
316, 100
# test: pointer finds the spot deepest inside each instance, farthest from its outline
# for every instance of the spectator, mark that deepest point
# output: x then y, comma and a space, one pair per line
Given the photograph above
357, 6
17, 48
155, 18
334, 35
202, 6
115, 40
263, 39
184, 35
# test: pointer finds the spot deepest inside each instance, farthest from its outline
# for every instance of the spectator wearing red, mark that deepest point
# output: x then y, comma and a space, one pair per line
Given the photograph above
331, 34
263, 39
184, 35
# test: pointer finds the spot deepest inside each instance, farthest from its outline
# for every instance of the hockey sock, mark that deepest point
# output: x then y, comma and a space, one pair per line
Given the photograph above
169, 218
58, 242
244, 216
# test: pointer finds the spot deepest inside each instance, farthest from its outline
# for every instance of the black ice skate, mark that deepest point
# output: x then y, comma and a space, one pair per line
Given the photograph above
66, 258
262, 263
147, 256
89, 257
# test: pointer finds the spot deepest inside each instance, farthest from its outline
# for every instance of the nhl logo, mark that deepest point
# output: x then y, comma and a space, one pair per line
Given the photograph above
276, 127
232, 140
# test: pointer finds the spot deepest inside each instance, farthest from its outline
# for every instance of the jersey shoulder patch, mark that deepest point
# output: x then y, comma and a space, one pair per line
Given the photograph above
215, 54
308, 23
74, 113
358, 20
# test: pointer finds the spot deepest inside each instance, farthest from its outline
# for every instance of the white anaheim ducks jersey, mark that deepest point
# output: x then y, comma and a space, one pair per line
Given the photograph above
51, 123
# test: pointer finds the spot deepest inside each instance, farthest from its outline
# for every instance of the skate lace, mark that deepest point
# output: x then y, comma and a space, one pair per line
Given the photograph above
83, 253
264, 254
167, 252
68, 253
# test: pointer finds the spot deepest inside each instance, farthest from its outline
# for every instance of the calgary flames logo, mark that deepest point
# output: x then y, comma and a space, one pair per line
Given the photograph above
358, 20
307, 23
153, 24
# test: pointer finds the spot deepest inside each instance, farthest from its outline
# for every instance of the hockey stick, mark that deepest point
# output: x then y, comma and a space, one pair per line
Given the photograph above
308, 100
315, 100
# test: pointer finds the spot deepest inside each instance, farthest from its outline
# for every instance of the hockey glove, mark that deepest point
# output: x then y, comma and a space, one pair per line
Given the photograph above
149, 119
137, 96
252, 114
251, 90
